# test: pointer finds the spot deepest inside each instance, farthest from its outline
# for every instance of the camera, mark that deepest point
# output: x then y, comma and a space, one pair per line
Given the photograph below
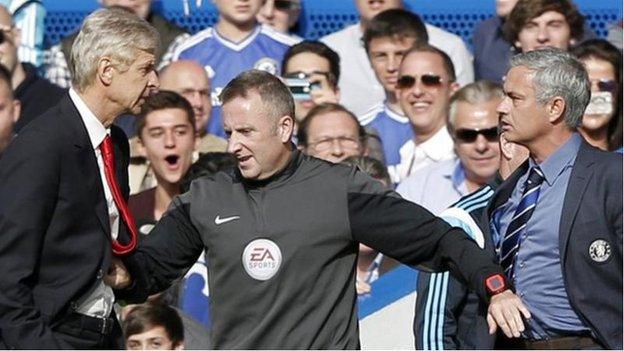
300, 86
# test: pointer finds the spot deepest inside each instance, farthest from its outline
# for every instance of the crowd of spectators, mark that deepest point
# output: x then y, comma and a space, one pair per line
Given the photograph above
403, 100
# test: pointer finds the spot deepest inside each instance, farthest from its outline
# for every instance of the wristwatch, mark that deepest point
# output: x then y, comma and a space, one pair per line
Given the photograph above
496, 284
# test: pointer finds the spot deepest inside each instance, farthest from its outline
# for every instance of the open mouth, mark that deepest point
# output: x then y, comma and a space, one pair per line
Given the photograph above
172, 161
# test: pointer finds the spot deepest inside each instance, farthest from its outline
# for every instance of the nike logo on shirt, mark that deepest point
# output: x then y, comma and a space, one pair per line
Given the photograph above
219, 220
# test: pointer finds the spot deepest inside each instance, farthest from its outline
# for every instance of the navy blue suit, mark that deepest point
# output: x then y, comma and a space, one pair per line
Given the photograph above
590, 239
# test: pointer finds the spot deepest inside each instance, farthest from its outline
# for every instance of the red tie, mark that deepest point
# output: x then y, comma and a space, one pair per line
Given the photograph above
109, 170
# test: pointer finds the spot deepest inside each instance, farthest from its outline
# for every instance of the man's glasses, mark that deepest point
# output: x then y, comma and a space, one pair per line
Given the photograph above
608, 85
470, 135
344, 141
428, 80
285, 5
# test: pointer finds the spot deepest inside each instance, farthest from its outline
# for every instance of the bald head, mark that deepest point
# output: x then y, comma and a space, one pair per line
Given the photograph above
190, 80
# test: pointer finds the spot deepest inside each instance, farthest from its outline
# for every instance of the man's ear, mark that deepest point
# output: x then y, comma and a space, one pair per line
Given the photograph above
17, 109
285, 127
556, 109
105, 70
454, 87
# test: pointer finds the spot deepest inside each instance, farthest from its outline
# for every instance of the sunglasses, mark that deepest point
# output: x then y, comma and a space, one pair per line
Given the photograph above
470, 135
285, 5
608, 85
428, 80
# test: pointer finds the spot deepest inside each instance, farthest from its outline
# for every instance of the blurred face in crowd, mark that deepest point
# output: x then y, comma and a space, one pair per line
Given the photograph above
280, 14
333, 136
131, 85
256, 137
548, 29
603, 84
155, 338
168, 141
11, 35
9, 113
317, 68
522, 118
504, 7
475, 135
238, 12
385, 54
190, 80
424, 91
140, 7
369, 8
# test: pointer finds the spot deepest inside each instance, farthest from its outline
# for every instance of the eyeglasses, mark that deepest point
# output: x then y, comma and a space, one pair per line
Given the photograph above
285, 5
470, 135
608, 85
428, 80
344, 141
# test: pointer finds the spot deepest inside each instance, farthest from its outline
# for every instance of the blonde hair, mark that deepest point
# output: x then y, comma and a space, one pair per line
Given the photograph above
114, 33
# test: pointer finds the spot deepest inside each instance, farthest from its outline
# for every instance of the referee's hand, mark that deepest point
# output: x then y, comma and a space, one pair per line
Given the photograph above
506, 311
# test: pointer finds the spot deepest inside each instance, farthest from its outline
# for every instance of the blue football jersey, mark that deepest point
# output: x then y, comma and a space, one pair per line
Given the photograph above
223, 60
394, 130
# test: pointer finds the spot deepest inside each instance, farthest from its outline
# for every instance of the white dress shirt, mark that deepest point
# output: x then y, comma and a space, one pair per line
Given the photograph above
414, 157
99, 301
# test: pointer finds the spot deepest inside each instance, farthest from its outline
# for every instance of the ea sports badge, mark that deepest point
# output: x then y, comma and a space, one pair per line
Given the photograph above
599, 250
262, 259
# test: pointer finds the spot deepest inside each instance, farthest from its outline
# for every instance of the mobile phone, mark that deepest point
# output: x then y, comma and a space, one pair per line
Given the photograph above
300, 88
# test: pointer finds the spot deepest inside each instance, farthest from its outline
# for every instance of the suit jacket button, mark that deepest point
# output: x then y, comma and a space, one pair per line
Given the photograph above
73, 305
100, 274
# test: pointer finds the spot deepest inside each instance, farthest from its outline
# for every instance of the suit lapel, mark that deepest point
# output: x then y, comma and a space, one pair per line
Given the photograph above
577, 185
88, 163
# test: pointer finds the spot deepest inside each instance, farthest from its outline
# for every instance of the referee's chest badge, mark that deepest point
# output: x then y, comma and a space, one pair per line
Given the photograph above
599, 250
262, 259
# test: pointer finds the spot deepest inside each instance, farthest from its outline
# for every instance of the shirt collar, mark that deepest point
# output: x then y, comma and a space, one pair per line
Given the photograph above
437, 147
395, 116
95, 128
563, 157
457, 175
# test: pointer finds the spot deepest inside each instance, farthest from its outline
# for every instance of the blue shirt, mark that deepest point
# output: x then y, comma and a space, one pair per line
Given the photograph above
538, 277
394, 131
223, 60
436, 186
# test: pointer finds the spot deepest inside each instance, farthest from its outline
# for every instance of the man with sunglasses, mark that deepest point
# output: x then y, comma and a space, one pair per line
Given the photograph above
35, 94
281, 15
358, 78
473, 123
424, 88
387, 38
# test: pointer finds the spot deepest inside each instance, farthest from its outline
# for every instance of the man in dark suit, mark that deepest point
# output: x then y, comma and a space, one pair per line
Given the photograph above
557, 221
63, 191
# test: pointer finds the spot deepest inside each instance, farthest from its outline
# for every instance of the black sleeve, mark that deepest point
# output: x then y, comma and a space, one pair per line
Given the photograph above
167, 253
412, 235
29, 182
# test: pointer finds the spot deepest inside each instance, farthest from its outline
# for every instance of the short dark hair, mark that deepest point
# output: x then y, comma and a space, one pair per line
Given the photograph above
302, 133
274, 94
162, 100
208, 164
395, 23
150, 315
5, 76
446, 59
320, 49
526, 10
603, 50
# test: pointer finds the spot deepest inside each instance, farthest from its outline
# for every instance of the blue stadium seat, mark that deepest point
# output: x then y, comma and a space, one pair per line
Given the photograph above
321, 17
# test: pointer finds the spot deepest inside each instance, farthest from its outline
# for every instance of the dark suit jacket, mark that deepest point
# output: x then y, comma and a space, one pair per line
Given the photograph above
592, 211
55, 232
